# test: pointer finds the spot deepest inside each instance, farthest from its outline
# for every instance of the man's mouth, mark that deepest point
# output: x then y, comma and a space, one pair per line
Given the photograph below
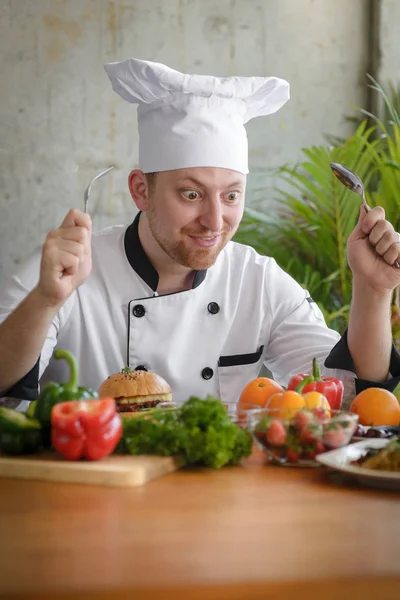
205, 241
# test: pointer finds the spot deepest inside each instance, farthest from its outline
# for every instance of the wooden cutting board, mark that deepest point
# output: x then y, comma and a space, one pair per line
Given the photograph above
118, 471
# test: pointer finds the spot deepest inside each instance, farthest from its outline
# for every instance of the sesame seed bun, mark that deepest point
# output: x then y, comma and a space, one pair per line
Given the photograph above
135, 390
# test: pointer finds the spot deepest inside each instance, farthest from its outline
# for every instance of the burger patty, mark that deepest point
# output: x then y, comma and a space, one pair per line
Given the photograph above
136, 406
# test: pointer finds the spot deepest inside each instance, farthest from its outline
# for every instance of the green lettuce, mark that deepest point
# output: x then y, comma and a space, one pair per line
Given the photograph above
199, 433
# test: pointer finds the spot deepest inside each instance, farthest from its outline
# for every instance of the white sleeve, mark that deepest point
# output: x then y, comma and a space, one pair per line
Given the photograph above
298, 332
15, 290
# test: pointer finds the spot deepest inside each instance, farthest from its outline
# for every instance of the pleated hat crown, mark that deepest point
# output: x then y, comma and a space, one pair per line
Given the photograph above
193, 120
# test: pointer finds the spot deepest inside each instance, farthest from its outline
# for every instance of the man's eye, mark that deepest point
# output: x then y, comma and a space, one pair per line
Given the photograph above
190, 194
232, 197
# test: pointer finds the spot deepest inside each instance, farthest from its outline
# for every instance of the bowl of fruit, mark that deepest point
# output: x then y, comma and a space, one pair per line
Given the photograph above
297, 437
378, 431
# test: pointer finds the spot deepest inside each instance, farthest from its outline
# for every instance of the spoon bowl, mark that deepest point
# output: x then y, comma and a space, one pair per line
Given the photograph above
350, 180
353, 183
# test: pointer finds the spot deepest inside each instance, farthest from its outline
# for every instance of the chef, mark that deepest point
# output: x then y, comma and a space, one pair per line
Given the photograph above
170, 292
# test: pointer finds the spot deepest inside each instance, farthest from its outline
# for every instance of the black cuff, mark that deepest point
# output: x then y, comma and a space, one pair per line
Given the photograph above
363, 384
340, 358
26, 388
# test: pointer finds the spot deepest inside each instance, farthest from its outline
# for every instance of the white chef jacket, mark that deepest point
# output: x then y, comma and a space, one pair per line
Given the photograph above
212, 339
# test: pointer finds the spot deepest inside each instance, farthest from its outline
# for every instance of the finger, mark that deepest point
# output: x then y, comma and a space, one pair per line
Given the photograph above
392, 254
372, 218
78, 218
388, 239
74, 234
66, 263
78, 234
383, 230
54, 248
358, 230
78, 237
69, 247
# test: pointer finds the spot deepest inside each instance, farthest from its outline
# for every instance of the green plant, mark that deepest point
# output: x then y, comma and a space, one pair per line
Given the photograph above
386, 174
389, 110
307, 230
386, 193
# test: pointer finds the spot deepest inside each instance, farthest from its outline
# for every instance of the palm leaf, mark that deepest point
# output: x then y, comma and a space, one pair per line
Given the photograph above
308, 231
314, 214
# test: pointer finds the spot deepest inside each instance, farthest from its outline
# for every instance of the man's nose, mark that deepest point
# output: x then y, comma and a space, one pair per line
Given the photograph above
212, 215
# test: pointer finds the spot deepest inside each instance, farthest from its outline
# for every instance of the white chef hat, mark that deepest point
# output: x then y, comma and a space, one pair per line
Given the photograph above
193, 120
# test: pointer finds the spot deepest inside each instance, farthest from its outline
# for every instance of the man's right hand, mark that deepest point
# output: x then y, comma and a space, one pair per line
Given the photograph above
66, 258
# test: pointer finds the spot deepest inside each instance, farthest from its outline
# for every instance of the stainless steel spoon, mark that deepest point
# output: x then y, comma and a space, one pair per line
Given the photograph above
89, 187
354, 183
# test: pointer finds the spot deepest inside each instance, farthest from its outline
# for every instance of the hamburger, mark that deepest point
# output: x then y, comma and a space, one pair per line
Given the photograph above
135, 391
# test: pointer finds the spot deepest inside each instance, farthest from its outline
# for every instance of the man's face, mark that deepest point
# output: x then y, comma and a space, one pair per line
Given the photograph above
193, 213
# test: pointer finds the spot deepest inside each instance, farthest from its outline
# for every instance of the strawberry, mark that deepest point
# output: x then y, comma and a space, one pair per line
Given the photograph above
334, 437
302, 419
310, 434
320, 413
319, 447
293, 455
263, 424
307, 451
293, 447
276, 434
261, 428
312, 450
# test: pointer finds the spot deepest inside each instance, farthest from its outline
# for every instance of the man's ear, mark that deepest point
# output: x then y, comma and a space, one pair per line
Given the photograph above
139, 189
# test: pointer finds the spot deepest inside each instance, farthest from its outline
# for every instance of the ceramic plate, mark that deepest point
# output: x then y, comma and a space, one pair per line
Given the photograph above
340, 460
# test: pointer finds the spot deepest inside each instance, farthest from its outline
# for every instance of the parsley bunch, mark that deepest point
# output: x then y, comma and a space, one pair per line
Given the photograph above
199, 433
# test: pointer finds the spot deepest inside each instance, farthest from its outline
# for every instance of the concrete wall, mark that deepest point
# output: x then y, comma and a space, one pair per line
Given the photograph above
390, 41
61, 123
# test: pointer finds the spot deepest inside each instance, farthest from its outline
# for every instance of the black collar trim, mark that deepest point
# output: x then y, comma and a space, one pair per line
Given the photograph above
139, 261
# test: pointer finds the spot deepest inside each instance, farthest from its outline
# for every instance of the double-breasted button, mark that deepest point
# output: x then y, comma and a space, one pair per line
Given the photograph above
213, 308
138, 310
140, 368
207, 373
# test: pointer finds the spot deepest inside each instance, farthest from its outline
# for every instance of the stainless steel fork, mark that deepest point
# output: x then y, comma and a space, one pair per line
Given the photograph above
89, 187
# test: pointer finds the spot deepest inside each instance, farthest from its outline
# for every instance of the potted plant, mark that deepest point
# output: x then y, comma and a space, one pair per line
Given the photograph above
306, 230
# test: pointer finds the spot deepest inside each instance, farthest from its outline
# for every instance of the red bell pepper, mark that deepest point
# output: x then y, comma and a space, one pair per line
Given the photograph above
330, 387
85, 429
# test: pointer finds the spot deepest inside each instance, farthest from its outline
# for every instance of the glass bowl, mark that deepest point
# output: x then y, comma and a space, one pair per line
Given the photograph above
240, 415
297, 439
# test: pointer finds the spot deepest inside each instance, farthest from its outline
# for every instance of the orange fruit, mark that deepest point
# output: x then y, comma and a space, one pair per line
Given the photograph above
258, 391
286, 404
376, 406
317, 400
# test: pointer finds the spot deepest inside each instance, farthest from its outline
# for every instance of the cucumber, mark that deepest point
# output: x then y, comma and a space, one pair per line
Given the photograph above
18, 433
13, 421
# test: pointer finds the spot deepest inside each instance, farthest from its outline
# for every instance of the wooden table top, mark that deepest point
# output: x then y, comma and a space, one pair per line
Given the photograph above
251, 532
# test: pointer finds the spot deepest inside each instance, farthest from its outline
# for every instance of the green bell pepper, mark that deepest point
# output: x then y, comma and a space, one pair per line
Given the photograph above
53, 393
18, 433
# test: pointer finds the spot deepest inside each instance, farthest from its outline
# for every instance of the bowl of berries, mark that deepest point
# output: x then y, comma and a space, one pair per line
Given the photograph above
298, 437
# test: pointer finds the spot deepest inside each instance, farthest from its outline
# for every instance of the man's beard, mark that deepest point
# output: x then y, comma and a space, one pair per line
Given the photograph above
192, 258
